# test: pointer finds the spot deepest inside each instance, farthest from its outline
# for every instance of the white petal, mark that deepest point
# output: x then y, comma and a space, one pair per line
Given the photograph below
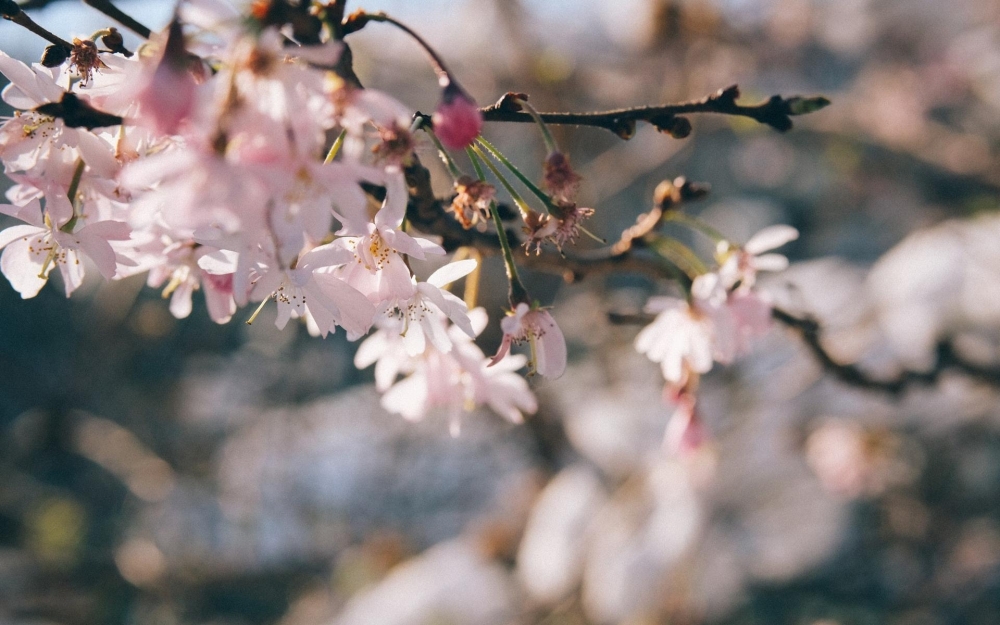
770, 238
770, 262
219, 262
451, 272
14, 233
21, 270
408, 398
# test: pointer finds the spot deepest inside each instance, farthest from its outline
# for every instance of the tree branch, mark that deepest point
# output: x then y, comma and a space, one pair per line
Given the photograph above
946, 359
123, 18
775, 112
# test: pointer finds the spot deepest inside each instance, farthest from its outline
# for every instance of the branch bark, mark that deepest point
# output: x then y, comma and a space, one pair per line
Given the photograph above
776, 112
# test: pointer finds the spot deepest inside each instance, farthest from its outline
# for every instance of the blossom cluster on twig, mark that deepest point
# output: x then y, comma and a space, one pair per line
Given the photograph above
238, 155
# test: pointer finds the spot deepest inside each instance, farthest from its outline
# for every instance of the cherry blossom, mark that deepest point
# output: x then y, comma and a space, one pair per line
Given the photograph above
46, 241
713, 325
304, 289
378, 269
536, 327
739, 265
456, 381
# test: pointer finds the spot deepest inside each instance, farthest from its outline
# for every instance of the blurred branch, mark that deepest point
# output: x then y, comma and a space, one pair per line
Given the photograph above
946, 359
104, 6
123, 18
776, 112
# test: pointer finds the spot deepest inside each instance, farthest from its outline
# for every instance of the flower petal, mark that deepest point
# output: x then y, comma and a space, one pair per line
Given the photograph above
770, 238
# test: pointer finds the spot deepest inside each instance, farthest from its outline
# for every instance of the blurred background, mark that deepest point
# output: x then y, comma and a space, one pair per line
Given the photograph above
158, 471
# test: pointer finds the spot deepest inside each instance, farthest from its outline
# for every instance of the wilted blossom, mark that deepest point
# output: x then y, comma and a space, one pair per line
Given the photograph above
471, 205
559, 178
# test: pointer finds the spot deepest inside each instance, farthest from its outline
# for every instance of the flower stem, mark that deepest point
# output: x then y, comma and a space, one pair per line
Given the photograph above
335, 148
521, 204
680, 255
123, 18
695, 224
517, 291
71, 193
541, 195
550, 142
471, 291
444, 76
453, 169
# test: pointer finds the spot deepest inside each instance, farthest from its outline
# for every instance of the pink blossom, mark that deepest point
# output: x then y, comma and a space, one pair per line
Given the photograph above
685, 431
379, 270
31, 251
307, 291
457, 120
739, 265
456, 381
687, 336
539, 329
169, 97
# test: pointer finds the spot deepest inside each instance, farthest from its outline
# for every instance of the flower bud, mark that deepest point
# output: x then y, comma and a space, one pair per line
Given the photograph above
115, 42
54, 55
457, 120
168, 97
9, 9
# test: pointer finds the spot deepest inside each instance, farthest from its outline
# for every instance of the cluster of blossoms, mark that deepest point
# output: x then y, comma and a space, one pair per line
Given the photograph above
226, 156
717, 322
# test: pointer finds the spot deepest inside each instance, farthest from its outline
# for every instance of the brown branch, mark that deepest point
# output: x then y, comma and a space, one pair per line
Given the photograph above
946, 359
775, 112
13, 12
123, 18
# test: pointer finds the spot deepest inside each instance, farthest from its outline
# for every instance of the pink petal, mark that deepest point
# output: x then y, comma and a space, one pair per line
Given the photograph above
550, 347
457, 122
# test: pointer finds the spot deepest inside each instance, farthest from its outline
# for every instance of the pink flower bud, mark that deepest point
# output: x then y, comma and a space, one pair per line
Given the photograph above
168, 98
457, 120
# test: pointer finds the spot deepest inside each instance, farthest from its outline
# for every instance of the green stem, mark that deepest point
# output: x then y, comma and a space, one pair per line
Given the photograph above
680, 255
456, 173
521, 204
444, 76
550, 142
74, 187
695, 224
476, 164
335, 148
541, 195
517, 291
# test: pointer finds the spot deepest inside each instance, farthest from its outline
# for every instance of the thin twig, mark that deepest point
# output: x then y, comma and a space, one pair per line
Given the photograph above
776, 112
123, 18
12, 11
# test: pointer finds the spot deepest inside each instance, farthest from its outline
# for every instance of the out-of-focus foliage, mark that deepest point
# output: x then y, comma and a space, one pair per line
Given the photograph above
156, 471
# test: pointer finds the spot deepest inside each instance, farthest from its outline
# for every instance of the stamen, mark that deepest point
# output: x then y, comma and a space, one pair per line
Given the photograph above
253, 317
43, 274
